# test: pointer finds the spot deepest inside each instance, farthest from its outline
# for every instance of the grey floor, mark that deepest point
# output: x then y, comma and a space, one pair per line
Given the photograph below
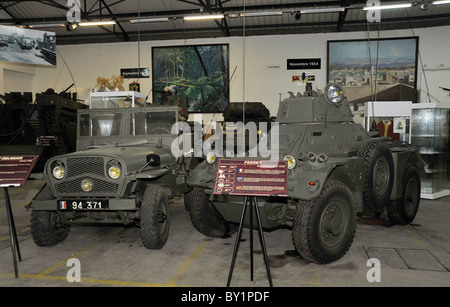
412, 255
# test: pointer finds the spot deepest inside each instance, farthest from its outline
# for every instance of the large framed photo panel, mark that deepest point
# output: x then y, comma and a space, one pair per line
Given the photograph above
375, 70
195, 74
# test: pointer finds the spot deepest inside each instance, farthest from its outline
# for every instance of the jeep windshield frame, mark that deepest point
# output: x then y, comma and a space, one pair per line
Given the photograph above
118, 125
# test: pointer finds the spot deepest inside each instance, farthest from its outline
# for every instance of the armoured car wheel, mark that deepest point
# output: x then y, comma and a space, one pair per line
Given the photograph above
205, 217
154, 216
379, 175
403, 210
324, 228
47, 229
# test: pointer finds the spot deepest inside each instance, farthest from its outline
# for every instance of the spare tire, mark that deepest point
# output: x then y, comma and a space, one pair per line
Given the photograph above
378, 174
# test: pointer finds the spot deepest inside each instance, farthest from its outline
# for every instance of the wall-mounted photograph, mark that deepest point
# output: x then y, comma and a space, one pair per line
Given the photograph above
387, 71
27, 46
193, 75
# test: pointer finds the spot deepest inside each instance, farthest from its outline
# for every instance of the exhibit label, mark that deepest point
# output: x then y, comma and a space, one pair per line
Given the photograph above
133, 73
301, 64
14, 170
251, 177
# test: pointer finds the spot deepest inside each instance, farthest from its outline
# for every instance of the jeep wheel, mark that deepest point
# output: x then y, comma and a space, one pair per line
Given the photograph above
205, 217
47, 228
323, 228
379, 175
403, 210
154, 217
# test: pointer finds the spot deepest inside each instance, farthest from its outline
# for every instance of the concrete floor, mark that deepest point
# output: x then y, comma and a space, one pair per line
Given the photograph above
412, 255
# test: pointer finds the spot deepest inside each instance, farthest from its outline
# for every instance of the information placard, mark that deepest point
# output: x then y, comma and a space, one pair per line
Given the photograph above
14, 170
251, 177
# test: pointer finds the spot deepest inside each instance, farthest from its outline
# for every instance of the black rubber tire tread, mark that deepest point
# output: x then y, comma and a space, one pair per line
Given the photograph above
205, 217
371, 151
154, 196
44, 231
188, 200
307, 219
395, 209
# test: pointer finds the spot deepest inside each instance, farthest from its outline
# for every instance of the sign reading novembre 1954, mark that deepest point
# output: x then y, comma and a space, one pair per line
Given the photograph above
251, 177
299, 64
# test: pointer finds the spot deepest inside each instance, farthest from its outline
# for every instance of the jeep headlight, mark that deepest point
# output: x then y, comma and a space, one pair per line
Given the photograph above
334, 93
114, 172
290, 161
58, 170
114, 169
210, 158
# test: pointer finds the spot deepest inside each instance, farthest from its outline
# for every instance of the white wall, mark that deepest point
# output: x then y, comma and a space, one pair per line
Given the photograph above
253, 80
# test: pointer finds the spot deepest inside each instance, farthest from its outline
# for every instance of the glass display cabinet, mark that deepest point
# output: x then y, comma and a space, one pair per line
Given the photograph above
429, 133
426, 126
103, 100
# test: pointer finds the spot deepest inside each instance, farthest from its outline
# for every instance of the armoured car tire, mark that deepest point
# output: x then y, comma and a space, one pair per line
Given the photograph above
379, 175
154, 217
188, 196
403, 210
205, 217
47, 228
323, 228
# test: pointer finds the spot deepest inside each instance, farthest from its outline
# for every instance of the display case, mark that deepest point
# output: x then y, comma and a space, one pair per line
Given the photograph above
102, 100
429, 133
391, 118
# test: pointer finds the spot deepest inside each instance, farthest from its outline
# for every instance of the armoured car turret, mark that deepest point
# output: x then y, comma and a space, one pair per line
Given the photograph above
335, 169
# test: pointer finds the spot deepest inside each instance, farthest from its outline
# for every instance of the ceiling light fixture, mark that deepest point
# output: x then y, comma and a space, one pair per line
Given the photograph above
97, 23
324, 10
440, 2
47, 25
204, 17
388, 7
257, 14
71, 26
143, 20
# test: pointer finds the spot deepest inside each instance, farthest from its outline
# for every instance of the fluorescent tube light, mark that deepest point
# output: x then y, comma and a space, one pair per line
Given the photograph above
256, 14
324, 10
97, 23
47, 25
387, 7
142, 20
440, 2
203, 17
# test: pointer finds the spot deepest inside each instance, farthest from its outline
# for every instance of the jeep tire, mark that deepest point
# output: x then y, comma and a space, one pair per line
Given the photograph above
47, 229
323, 228
154, 217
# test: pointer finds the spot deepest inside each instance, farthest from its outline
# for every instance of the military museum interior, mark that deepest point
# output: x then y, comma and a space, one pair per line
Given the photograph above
148, 144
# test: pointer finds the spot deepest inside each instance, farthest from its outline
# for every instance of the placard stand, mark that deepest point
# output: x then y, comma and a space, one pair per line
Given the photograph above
251, 178
250, 201
14, 172
12, 233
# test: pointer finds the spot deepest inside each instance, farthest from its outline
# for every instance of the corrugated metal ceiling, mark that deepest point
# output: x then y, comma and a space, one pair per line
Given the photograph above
353, 18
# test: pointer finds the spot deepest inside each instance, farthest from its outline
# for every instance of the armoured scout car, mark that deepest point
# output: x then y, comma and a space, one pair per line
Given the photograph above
335, 169
122, 172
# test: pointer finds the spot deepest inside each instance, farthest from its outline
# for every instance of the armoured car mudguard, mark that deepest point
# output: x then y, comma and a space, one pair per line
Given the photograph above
335, 169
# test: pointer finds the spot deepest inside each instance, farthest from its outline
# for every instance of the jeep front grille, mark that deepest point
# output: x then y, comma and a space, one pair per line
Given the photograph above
79, 168
82, 166
74, 186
